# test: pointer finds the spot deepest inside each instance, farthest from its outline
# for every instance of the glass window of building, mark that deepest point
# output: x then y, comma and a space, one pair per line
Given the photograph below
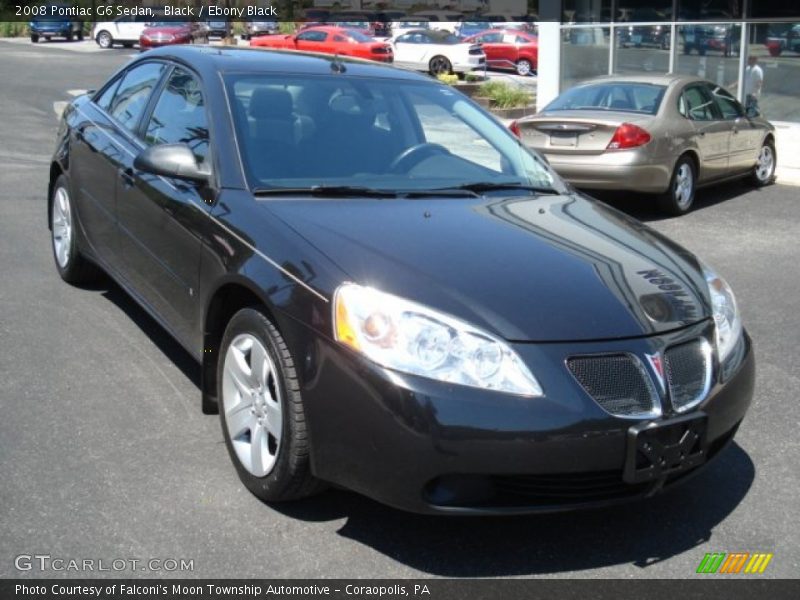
711, 52
587, 11
710, 10
584, 54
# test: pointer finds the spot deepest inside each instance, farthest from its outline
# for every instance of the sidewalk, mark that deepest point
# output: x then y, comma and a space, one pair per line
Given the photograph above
787, 138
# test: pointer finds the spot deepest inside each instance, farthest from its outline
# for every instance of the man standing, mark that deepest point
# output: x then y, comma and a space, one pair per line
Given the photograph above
753, 82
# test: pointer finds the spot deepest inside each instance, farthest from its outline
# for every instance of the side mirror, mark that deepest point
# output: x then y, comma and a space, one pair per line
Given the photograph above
172, 160
752, 112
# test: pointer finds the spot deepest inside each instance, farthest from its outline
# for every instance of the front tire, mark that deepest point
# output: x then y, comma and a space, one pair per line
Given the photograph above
764, 171
440, 65
679, 198
104, 40
261, 410
71, 265
34, 39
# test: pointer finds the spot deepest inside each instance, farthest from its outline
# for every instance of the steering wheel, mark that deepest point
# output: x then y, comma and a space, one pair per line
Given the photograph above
414, 155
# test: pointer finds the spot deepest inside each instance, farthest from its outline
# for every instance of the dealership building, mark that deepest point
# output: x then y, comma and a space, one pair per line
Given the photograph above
580, 39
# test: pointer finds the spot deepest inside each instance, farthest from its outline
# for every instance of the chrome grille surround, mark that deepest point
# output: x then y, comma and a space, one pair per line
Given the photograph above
688, 373
618, 382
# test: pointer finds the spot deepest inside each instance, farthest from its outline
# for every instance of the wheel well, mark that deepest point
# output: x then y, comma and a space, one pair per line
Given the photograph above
226, 302
770, 138
693, 157
55, 171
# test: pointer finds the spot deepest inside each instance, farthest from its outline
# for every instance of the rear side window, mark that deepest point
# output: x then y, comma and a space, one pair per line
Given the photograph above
312, 36
133, 93
180, 116
696, 104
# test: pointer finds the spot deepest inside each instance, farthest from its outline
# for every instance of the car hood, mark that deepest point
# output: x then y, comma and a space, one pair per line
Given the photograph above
546, 268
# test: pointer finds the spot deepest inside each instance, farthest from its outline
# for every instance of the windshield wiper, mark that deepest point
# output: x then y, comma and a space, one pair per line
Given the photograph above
332, 191
488, 186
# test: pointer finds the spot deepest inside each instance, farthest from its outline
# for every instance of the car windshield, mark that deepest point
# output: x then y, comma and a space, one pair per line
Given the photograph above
617, 96
303, 131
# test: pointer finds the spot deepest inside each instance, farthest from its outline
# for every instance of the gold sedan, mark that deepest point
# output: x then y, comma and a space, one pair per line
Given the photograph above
665, 135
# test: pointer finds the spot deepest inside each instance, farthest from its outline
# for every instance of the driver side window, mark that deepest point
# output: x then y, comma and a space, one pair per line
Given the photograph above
696, 104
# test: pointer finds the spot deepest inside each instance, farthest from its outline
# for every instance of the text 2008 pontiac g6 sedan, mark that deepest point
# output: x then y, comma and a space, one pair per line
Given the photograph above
388, 292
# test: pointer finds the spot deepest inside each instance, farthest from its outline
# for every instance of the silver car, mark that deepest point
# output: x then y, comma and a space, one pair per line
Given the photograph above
664, 135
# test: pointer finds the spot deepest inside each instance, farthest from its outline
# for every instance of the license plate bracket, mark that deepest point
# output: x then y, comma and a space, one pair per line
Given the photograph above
657, 449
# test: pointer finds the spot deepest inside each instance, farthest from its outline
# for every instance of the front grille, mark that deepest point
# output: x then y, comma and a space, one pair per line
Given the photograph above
617, 382
688, 370
562, 488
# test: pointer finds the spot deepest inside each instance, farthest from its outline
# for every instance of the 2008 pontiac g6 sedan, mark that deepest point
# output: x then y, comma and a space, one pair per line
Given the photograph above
388, 292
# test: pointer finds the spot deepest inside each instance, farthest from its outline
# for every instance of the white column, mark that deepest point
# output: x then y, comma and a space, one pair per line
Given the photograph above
549, 73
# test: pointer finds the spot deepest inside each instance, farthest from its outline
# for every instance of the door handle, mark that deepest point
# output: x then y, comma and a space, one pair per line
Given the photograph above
127, 177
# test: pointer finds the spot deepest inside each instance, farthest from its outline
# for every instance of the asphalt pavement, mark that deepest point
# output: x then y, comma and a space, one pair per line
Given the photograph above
105, 454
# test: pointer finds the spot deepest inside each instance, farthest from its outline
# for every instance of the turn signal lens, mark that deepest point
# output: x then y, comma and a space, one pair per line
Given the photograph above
627, 136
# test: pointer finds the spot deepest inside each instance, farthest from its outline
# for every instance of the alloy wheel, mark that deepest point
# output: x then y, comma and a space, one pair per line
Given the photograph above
440, 65
104, 39
765, 165
523, 67
62, 227
253, 406
684, 185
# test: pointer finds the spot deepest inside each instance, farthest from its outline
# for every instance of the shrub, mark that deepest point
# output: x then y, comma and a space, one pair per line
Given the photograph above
448, 79
503, 95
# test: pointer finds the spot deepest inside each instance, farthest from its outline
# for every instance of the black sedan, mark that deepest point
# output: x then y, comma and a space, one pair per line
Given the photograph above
388, 292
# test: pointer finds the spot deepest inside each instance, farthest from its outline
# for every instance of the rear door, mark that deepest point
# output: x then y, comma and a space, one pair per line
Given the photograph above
160, 217
102, 146
711, 132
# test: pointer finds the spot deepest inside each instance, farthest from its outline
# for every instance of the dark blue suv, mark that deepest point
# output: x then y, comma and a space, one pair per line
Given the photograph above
49, 27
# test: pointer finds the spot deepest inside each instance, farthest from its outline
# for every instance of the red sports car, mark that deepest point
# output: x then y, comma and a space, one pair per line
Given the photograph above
509, 49
331, 40
165, 33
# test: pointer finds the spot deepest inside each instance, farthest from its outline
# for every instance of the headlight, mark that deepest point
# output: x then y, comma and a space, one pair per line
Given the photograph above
726, 314
412, 338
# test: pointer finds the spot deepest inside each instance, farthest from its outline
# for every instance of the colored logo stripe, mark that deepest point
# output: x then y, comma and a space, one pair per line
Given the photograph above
721, 562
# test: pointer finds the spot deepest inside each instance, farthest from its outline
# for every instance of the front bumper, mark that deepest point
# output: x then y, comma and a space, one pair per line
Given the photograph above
429, 447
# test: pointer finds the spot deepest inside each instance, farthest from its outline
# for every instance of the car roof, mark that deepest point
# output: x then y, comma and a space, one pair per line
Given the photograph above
273, 60
653, 79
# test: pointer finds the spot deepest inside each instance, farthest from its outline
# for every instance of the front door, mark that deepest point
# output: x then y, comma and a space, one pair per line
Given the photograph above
711, 132
160, 218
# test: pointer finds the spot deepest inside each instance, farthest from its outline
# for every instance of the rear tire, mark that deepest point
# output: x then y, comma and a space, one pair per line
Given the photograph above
71, 265
679, 197
440, 65
524, 67
261, 410
764, 171
34, 39
80, 36
104, 40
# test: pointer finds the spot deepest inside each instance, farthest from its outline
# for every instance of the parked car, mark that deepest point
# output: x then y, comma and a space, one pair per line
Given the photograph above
219, 29
385, 291
50, 27
330, 40
125, 31
437, 52
467, 29
167, 33
725, 39
509, 49
254, 29
664, 135
402, 27
638, 36
788, 41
